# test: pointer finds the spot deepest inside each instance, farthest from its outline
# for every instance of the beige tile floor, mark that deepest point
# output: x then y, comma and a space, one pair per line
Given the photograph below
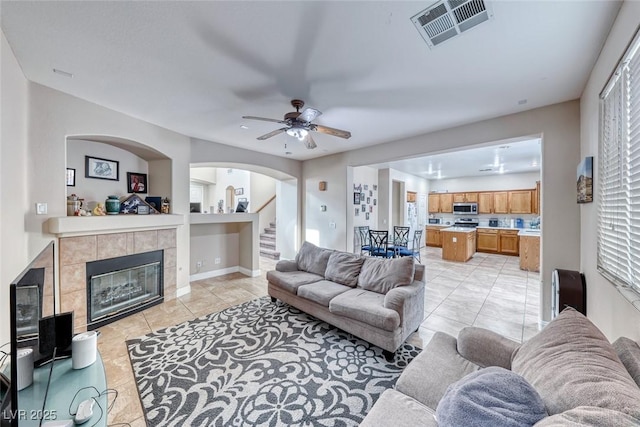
488, 291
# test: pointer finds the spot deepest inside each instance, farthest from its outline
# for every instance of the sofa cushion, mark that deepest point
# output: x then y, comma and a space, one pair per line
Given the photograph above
427, 377
344, 268
399, 410
589, 416
367, 307
570, 363
313, 259
322, 292
381, 275
492, 396
629, 354
291, 280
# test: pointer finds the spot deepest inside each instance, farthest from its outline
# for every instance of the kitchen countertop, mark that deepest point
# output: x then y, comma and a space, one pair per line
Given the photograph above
460, 229
499, 228
529, 232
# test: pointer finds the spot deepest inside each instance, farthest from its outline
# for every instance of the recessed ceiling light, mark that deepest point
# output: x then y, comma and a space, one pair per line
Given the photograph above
62, 73
244, 127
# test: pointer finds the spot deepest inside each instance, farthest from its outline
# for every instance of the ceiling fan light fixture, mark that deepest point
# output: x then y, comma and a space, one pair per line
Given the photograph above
297, 132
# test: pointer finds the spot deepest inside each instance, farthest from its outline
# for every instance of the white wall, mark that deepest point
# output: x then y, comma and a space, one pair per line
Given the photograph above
366, 175
289, 218
53, 116
605, 305
263, 188
514, 181
559, 127
14, 251
96, 190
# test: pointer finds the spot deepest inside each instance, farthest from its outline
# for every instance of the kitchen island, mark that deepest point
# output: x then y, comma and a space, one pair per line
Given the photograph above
458, 243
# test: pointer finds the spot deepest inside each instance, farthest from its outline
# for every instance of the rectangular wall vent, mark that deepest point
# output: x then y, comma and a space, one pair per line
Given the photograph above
448, 18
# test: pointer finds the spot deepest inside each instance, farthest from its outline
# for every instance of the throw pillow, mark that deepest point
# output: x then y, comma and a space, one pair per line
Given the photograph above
381, 275
344, 268
313, 259
490, 397
629, 354
571, 364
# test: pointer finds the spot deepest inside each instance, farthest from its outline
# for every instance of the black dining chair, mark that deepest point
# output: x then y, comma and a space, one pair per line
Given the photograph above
400, 238
379, 241
415, 249
363, 239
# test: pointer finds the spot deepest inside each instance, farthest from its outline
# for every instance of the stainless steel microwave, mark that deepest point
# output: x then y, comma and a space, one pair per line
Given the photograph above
465, 208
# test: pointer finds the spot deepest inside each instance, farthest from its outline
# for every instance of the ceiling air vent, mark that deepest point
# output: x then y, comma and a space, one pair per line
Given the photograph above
448, 18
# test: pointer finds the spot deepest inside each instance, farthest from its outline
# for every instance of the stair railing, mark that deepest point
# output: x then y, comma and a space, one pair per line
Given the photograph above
266, 203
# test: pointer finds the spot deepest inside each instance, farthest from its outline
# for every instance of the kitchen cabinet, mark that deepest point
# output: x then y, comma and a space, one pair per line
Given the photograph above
465, 197
458, 245
536, 199
441, 203
530, 253
434, 236
411, 197
485, 203
487, 240
520, 202
508, 242
501, 202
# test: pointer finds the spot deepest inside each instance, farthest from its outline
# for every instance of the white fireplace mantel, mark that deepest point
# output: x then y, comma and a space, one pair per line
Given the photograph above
68, 226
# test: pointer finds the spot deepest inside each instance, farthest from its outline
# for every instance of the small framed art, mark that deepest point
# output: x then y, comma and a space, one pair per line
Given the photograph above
136, 182
95, 167
71, 177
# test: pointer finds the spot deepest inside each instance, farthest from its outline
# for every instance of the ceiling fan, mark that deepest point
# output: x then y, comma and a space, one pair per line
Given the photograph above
298, 124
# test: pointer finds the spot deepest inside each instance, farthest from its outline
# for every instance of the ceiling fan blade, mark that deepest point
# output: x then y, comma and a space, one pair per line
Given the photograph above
270, 134
309, 142
309, 114
264, 119
331, 131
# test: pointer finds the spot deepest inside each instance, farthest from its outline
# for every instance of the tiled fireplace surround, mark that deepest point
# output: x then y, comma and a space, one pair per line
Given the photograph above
75, 252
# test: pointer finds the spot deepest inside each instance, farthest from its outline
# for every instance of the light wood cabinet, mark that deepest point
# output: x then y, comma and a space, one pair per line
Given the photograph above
501, 202
536, 199
485, 203
440, 203
458, 246
446, 202
434, 236
411, 196
487, 240
465, 197
530, 253
520, 202
508, 242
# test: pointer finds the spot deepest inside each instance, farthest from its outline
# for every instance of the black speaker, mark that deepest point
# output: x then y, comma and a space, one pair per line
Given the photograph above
55, 332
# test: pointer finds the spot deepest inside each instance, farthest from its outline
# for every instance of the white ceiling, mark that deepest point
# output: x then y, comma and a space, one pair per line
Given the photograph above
197, 67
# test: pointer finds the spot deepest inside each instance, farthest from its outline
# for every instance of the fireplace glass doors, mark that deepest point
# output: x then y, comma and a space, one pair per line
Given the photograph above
121, 286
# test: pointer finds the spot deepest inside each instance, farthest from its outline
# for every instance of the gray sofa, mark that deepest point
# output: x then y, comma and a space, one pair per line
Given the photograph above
378, 300
569, 369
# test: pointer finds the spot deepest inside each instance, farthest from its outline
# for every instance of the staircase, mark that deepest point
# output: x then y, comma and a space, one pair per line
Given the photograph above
268, 242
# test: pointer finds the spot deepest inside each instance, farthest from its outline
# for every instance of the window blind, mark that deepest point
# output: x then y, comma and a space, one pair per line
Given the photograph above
619, 174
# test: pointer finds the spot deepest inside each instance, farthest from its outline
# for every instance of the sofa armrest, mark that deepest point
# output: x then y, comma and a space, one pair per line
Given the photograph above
427, 377
485, 348
408, 301
419, 273
285, 265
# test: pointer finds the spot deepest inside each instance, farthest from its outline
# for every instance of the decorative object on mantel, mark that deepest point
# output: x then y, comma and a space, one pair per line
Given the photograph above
220, 206
154, 202
136, 182
131, 204
585, 180
95, 167
73, 205
112, 205
99, 210
166, 206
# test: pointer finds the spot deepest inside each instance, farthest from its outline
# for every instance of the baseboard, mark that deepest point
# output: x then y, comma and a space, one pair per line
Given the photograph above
184, 290
223, 271
247, 272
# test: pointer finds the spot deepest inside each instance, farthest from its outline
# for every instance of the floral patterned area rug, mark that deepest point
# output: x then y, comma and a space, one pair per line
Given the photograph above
260, 363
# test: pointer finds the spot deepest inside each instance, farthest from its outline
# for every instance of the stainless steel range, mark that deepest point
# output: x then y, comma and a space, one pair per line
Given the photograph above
466, 222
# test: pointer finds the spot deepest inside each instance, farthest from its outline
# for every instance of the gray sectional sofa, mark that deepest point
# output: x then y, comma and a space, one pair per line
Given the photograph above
566, 375
378, 300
